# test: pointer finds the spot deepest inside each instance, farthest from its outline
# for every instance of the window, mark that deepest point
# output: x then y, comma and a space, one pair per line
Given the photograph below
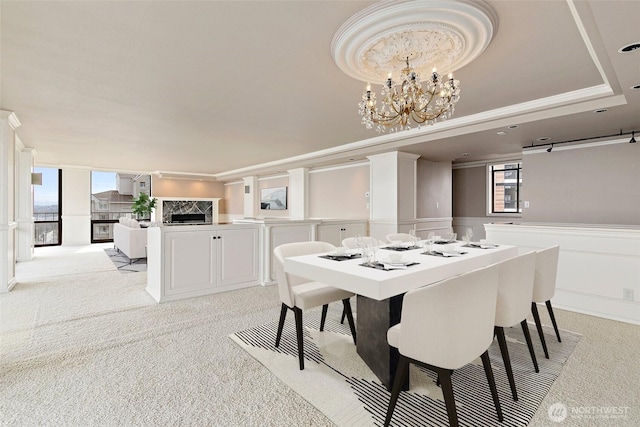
505, 181
47, 208
112, 195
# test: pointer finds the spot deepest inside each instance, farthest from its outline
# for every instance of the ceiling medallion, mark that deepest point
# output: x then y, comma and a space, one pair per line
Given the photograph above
402, 40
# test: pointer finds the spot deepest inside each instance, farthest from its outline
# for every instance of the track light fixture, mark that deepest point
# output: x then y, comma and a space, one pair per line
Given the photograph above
633, 137
550, 148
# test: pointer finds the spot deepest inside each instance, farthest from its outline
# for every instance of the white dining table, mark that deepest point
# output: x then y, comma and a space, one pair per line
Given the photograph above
380, 292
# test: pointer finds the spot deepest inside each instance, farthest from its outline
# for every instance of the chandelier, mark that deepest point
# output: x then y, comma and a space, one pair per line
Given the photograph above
410, 100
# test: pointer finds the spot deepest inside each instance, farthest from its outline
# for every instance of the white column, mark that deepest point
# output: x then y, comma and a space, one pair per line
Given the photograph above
298, 193
251, 201
24, 204
8, 124
76, 207
393, 193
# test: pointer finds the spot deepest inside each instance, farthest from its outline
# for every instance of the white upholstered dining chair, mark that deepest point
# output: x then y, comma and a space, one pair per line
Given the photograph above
350, 242
445, 326
399, 237
515, 288
297, 293
544, 287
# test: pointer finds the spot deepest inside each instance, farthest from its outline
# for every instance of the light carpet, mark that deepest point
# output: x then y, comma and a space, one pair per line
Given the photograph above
82, 344
339, 384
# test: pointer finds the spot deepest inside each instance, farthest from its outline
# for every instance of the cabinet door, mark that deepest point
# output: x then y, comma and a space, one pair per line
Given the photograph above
352, 230
331, 234
189, 262
238, 256
279, 235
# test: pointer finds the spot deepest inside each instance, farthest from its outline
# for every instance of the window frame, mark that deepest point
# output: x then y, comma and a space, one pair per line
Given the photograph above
490, 188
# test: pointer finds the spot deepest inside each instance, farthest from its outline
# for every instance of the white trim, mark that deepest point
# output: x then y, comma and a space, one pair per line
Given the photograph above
482, 163
267, 178
10, 226
341, 166
553, 106
489, 191
587, 41
12, 119
596, 265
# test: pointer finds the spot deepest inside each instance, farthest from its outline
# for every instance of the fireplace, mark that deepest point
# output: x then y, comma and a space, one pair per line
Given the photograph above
188, 218
173, 210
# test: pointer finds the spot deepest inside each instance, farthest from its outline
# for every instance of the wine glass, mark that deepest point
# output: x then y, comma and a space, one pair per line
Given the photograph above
430, 238
468, 235
359, 244
414, 239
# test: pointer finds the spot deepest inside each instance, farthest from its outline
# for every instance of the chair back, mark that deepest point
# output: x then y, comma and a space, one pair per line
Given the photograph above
544, 285
287, 281
515, 289
350, 242
450, 323
402, 237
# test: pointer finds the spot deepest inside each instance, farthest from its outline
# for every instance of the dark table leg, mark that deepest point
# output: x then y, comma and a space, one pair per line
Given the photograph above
374, 319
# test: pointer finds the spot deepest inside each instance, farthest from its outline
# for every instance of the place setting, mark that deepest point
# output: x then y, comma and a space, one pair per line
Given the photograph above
392, 261
342, 254
446, 247
401, 246
481, 244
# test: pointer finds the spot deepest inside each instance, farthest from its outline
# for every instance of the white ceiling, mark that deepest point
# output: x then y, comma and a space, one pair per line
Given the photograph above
237, 88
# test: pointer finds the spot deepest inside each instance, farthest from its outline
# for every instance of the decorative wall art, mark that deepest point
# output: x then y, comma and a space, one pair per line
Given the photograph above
273, 198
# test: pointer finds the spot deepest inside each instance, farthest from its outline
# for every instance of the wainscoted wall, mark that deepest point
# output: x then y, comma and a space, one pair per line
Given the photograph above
582, 198
597, 268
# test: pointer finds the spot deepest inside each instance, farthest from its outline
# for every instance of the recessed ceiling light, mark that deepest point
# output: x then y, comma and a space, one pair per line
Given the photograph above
629, 48
512, 126
543, 138
501, 133
601, 110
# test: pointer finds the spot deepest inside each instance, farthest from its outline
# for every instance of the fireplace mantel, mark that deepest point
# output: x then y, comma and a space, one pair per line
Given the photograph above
184, 205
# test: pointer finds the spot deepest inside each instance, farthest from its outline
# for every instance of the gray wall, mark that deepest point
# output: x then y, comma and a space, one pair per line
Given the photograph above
469, 192
433, 188
584, 184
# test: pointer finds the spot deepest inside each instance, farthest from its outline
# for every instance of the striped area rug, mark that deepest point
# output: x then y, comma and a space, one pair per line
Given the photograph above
124, 264
340, 385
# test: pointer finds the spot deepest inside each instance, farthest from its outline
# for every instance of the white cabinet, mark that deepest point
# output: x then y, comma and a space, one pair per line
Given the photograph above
334, 232
190, 260
276, 232
199, 261
238, 256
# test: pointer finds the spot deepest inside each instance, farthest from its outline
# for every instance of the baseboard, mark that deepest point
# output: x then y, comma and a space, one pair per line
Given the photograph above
599, 306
